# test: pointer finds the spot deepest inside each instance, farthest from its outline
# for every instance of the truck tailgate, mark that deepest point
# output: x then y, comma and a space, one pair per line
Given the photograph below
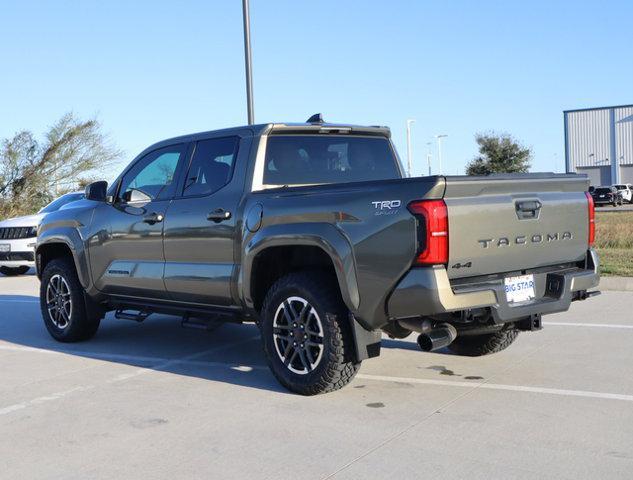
510, 223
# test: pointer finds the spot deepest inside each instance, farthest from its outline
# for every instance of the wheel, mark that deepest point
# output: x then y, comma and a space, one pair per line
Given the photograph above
63, 303
13, 271
478, 345
306, 335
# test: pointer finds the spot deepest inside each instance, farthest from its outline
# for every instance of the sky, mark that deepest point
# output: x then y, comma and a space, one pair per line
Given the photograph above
150, 70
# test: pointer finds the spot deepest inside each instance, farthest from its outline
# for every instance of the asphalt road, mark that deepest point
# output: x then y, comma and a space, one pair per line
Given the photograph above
153, 400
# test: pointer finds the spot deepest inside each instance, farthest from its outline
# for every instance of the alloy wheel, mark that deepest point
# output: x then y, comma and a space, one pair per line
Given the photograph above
298, 335
59, 301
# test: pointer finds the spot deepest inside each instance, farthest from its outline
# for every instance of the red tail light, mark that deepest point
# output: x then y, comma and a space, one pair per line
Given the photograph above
592, 219
432, 218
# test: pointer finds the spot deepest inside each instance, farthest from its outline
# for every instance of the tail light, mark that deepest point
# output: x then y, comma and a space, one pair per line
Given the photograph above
592, 219
432, 216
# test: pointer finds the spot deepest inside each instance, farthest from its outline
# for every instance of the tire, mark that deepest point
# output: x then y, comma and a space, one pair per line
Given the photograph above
74, 324
334, 365
478, 345
14, 271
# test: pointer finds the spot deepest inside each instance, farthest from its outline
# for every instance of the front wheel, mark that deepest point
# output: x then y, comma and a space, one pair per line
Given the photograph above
14, 271
478, 345
63, 304
306, 334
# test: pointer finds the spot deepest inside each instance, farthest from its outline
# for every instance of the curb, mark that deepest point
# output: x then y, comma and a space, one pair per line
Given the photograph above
620, 284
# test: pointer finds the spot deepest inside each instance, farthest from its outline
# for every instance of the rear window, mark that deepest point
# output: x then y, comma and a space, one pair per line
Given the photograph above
314, 159
603, 190
621, 187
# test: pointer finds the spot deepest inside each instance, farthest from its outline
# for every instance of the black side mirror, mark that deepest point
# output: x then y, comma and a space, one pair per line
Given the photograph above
97, 191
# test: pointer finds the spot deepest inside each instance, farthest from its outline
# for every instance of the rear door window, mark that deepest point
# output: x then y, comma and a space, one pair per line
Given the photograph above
293, 160
211, 166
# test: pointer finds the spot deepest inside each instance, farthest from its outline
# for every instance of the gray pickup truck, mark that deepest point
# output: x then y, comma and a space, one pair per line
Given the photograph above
312, 232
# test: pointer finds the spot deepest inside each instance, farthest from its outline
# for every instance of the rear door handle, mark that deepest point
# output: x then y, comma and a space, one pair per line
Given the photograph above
154, 218
219, 215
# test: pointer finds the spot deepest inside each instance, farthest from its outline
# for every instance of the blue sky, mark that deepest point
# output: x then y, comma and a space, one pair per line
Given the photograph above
152, 70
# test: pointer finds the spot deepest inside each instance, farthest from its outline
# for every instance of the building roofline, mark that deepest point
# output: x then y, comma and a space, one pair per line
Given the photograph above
597, 108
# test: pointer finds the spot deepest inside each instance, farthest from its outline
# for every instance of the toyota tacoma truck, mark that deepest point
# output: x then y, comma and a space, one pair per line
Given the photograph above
312, 232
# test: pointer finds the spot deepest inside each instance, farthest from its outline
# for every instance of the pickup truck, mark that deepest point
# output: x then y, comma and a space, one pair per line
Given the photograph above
312, 232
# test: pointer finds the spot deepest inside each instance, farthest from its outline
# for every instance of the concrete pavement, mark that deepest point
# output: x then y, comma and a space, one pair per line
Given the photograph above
153, 400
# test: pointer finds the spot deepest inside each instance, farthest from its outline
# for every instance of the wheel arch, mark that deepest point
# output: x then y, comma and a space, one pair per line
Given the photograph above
51, 245
286, 248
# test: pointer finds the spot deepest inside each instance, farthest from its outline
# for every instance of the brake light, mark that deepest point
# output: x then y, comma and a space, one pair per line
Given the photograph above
592, 219
432, 218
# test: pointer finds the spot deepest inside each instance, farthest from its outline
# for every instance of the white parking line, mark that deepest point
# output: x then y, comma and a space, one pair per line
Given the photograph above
595, 325
16, 300
497, 386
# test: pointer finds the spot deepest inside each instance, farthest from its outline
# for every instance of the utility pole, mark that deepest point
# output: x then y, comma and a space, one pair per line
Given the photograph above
248, 62
439, 149
428, 156
409, 158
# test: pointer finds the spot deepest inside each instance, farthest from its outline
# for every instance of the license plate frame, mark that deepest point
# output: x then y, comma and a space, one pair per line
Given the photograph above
519, 288
5, 248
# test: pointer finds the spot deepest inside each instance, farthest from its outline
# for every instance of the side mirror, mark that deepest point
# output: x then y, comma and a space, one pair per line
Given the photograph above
97, 191
136, 196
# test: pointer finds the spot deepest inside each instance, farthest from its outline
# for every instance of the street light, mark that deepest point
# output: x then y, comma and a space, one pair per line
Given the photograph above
409, 159
248, 62
428, 156
439, 149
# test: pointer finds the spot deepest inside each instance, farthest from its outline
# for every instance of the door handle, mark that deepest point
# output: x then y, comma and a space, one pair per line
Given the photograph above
528, 209
219, 215
154, 218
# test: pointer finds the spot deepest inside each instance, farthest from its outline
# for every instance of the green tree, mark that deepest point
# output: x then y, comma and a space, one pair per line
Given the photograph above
499, 153
32, 172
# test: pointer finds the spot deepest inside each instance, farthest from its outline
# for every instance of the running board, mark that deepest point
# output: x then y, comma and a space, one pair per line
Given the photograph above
123, 314
198, 323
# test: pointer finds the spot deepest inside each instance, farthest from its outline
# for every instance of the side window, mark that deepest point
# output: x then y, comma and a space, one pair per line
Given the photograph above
211, 166
154, 174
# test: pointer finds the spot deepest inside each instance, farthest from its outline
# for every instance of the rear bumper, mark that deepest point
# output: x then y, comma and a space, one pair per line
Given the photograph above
428, 291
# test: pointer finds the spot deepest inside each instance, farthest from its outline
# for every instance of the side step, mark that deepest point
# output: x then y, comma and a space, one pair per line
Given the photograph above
138, 316
209, 324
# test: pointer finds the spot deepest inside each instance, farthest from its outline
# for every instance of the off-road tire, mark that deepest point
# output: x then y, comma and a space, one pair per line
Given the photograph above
337, 365
478, 345
14, 271
82, 325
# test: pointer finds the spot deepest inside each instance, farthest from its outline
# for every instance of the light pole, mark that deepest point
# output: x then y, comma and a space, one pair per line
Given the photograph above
248, 62
439, 149
409, 158
428, 156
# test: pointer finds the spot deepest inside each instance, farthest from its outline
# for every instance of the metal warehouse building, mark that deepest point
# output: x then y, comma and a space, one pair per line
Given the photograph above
599, 142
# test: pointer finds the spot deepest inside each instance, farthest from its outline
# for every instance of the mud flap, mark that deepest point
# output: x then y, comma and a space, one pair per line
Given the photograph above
366, 342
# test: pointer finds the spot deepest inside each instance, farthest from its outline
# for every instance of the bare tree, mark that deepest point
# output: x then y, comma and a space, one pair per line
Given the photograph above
32, 173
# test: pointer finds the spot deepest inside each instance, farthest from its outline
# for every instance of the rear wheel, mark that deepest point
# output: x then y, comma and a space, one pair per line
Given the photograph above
13, 271
478, 345
306, 334
63, 303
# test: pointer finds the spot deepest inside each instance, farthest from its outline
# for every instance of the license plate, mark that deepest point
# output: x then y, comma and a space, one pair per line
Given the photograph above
5, 247
519, 289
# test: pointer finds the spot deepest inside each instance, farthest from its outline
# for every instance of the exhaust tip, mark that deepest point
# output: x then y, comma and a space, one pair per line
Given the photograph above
437, 338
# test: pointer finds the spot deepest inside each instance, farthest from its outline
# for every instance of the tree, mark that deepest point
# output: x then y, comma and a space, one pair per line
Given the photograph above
33, 173
499, 153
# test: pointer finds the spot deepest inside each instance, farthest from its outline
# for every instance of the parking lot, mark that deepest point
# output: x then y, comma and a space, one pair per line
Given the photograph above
154, 400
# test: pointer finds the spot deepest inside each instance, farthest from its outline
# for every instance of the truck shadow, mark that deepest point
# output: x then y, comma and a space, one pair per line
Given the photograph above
231, 354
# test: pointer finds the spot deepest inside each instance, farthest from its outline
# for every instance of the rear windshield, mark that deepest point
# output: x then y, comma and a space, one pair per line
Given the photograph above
603, 190
316, 159
621, 187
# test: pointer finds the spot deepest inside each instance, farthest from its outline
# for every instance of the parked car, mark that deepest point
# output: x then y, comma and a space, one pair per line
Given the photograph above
18, 235
626, 191
313, 232
607, 196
